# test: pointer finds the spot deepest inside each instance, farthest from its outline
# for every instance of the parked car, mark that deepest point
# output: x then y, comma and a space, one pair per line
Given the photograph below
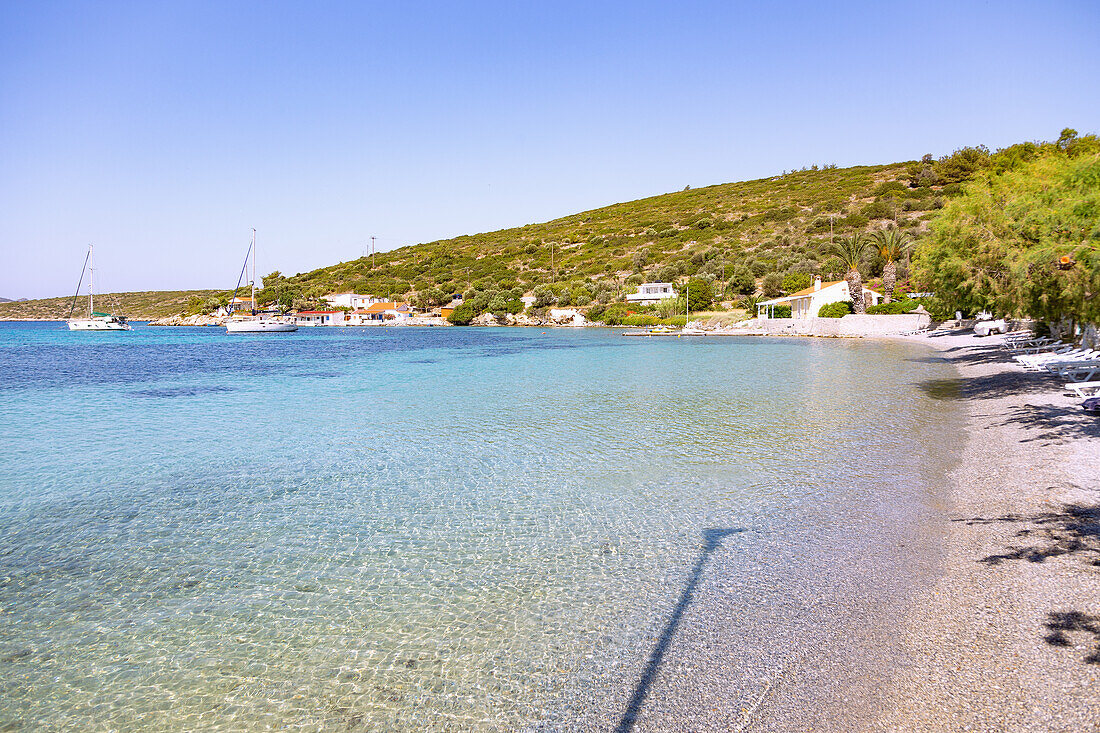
985, 328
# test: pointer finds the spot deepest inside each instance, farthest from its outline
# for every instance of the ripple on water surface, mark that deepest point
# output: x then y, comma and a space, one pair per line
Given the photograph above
450, 528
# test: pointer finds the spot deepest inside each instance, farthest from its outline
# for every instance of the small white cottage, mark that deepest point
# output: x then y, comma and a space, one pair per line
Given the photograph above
649, 293
806, 303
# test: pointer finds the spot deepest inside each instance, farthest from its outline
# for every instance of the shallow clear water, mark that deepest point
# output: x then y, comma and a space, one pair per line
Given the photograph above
427, 528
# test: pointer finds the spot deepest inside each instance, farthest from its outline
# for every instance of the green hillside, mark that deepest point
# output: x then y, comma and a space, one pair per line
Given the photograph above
136, 306
733, 242
727, 233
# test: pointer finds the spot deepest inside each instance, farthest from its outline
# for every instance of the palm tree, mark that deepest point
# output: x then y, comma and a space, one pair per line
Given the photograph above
849, 250
891, 245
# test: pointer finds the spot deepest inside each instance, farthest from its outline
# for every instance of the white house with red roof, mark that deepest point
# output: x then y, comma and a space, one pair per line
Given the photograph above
378, 313
806, 303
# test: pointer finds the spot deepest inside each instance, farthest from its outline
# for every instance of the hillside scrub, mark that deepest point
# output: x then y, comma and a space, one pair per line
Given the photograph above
137, 306
728, 234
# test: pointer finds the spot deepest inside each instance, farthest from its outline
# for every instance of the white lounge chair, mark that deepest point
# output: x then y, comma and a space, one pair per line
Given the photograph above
1074, 371
1057, 362
1058, 357
1033, 362
1043, 348
1084, 389
1081, 371
1018, 344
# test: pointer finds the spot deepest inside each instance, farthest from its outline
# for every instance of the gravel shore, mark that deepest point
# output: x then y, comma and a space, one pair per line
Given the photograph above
1008, 636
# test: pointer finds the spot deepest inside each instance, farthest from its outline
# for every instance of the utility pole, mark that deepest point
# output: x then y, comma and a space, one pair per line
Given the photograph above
553, 267
372, 251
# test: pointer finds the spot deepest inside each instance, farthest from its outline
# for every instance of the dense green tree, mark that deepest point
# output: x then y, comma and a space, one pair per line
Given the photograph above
700, 294
462, 315
1025, 241
772, 284
742, 281
795, 281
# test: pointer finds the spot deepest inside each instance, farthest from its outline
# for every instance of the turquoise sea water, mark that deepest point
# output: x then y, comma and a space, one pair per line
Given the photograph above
440, 529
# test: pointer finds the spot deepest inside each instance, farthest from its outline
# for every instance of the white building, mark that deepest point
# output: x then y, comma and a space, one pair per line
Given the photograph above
381, 312
350, 300
649, 293
806, 303
319, 318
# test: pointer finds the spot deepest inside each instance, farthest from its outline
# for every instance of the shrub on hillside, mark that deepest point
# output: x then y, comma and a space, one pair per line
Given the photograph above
773, 284
878, 210
854, 221
462, 315
838, 309
742, 281
795, 281
896, 307
890, 188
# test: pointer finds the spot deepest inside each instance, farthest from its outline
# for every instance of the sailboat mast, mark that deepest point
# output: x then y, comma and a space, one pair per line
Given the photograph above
253, 269
91, 283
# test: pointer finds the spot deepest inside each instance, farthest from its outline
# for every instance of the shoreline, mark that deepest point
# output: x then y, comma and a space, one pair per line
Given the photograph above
1007, 636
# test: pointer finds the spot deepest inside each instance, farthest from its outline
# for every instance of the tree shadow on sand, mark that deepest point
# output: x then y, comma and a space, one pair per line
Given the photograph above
975, 354
1062, 624
1073, 531
712, 538
1054, 423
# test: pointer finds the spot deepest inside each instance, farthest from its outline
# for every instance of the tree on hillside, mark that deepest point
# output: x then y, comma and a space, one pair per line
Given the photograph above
772, 284
795, 281
850, 250
891, 245
1024, 241
742, 281
700, 294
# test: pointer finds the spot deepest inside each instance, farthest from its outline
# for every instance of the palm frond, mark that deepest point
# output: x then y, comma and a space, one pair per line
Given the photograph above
891, 244
849, 250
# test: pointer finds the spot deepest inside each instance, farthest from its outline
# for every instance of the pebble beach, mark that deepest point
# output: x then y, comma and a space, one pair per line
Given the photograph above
1008, 636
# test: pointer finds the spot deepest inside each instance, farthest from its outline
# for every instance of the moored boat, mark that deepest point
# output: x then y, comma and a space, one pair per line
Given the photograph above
95, 320
255, 322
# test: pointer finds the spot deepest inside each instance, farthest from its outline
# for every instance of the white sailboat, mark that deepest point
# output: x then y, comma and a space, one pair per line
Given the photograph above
95, 321
255, 323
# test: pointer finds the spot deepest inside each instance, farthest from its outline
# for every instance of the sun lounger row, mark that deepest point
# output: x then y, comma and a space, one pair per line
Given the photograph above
1079, 367
1067, 353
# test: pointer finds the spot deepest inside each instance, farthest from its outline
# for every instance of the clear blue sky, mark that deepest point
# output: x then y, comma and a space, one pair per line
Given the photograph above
163, 131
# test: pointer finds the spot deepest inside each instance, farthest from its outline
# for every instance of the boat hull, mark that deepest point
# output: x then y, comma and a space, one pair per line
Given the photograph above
259, 326
97, 324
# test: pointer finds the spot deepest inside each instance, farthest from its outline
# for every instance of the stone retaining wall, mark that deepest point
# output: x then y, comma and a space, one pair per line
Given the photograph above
851, 326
